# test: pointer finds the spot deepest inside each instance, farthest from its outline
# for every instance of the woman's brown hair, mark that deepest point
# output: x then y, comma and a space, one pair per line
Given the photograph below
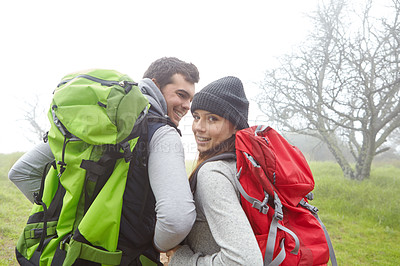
227, 145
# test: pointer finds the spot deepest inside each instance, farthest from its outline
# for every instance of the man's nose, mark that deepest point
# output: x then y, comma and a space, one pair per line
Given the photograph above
186, 105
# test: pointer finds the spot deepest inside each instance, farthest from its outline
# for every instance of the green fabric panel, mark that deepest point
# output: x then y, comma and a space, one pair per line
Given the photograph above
73, 250
129, 110
124, 109
106, 74
36, 208
78, 108
30, 233
80, 250
72, 179
26, 244
80, 91
80, 113
88, 122
50, 187
97, 152
146, 261
109, 201
48, 253
113, 102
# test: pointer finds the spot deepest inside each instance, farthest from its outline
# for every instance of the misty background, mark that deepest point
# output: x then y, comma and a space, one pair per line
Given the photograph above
43, 41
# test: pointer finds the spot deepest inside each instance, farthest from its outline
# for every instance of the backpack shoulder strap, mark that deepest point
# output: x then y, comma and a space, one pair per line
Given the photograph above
156, 118
222, 156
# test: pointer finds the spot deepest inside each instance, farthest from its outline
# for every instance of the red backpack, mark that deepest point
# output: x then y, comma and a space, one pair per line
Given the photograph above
275, 183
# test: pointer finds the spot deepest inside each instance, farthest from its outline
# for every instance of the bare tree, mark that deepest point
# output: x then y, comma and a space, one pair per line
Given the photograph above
341, 85
394, 141
35, 116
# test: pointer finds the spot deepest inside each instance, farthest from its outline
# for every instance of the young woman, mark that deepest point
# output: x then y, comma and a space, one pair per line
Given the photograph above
221, 234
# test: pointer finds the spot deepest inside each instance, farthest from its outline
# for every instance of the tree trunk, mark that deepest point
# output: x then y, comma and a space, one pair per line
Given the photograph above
365, 158
334, 148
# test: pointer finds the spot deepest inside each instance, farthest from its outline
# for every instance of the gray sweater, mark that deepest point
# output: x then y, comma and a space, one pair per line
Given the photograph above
222, 234
175, 207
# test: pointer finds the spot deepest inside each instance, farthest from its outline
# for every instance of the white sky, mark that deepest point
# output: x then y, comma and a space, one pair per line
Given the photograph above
43, 40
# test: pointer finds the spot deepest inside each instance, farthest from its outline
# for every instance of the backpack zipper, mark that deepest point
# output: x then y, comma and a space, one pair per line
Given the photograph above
103, 82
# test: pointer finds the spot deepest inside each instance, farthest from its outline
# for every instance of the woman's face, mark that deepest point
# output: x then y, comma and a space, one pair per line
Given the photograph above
210, 129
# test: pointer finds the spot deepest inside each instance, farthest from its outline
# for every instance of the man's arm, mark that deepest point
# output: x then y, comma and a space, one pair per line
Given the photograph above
27, 172
168, 179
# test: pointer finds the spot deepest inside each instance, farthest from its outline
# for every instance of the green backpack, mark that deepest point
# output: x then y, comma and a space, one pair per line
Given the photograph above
95, 120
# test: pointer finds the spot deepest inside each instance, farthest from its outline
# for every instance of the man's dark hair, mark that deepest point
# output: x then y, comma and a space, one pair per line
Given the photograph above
164, 68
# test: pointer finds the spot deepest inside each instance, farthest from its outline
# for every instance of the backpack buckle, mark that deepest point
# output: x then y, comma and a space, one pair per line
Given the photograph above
62, 167
310, 196
127, 85
128, 155
36, 198
65, 241
308, 206
278, 207
262, 206
36, 233
46, 137
259, 129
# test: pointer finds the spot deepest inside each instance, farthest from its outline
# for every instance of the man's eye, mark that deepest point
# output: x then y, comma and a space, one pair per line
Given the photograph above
183, 96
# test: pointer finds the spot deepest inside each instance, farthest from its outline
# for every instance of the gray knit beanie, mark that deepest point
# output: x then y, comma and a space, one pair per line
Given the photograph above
224, 97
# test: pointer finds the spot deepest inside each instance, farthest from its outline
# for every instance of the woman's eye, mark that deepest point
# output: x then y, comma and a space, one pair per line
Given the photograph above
212, 119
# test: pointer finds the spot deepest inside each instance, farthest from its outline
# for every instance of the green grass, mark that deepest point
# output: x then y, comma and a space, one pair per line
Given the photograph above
362, 218
14, 211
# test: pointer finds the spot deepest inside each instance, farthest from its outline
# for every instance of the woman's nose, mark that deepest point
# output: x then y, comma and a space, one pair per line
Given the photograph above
198, 126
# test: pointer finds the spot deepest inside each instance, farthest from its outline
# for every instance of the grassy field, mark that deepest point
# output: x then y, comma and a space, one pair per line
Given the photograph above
14, 211
362, 217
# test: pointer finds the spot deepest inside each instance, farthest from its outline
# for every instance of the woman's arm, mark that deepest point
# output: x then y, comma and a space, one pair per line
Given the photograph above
27, 172
219, 201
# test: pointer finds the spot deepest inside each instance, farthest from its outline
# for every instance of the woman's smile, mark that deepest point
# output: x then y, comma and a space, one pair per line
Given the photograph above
210, 129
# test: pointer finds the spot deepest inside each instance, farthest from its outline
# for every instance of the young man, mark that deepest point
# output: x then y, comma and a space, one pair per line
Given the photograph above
168, 213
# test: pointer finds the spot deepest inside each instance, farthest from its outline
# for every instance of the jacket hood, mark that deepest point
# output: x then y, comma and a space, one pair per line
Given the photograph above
154, 95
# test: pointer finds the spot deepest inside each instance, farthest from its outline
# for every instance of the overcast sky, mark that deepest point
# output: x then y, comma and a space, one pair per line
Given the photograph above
41, 41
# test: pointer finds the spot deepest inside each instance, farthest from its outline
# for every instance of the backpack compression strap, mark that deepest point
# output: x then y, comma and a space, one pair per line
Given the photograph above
47, 212
272, 234
314, 211
273, 229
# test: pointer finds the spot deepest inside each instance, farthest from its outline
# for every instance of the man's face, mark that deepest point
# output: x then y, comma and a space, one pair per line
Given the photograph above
178, 96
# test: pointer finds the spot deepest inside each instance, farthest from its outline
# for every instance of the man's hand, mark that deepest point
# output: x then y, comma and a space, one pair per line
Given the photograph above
170, 253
